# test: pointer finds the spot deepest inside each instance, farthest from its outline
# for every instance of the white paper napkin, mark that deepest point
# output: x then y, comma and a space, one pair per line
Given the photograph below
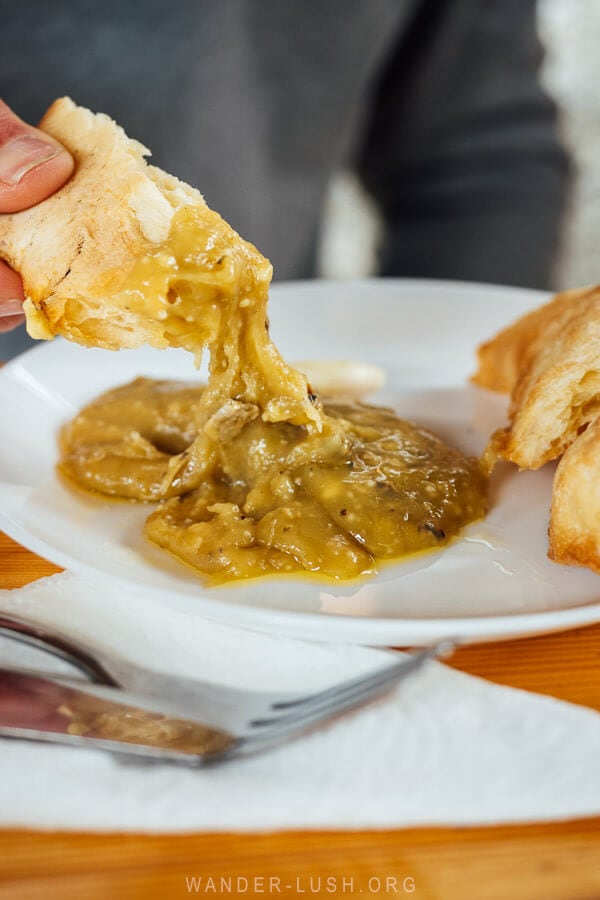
443, 748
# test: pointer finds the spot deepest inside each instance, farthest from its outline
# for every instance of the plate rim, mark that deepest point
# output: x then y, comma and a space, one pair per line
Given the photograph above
355, 629
290, 623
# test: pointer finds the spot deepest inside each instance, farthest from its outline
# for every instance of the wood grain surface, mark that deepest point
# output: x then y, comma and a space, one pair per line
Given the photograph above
558, 861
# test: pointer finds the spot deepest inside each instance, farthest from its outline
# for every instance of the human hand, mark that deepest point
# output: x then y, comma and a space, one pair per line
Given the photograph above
32, 166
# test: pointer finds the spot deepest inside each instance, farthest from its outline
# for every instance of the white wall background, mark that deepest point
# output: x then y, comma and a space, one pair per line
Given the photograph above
570, 30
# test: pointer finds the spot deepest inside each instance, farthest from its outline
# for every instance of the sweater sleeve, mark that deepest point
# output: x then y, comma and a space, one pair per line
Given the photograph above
461, 151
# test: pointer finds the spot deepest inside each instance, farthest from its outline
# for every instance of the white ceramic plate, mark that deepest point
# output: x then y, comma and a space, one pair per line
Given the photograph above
494, 582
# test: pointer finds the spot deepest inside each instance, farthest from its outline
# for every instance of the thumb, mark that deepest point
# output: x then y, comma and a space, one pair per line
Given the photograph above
32, 164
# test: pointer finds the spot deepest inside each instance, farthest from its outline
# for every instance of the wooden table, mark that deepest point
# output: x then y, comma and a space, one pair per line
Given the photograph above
530, 861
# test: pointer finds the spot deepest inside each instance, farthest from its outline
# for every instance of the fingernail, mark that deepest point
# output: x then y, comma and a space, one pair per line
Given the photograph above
21, 155
10, 308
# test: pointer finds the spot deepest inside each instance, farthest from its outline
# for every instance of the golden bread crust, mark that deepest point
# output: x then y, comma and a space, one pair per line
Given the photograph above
550, 362
78, 245
125, 254
574, 531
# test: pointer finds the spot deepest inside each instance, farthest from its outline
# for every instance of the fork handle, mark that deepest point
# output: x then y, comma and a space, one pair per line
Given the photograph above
55, 644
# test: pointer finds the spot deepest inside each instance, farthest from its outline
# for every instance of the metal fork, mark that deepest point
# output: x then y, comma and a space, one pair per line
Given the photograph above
125, 707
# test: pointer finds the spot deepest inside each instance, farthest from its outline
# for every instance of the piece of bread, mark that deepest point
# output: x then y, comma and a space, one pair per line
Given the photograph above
550, 362
575, 514
75, 250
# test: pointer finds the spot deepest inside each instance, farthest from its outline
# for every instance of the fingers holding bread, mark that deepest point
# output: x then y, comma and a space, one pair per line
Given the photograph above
74, 250
33, 165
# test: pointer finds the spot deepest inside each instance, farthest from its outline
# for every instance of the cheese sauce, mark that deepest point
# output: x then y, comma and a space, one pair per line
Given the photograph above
253, 474
274, 497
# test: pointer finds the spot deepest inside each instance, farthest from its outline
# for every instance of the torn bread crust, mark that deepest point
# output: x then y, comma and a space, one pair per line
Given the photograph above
550, 361
74, 250
124, 254
574, 531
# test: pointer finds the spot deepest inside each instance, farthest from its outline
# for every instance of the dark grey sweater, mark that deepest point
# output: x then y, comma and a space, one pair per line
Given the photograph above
435, 103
